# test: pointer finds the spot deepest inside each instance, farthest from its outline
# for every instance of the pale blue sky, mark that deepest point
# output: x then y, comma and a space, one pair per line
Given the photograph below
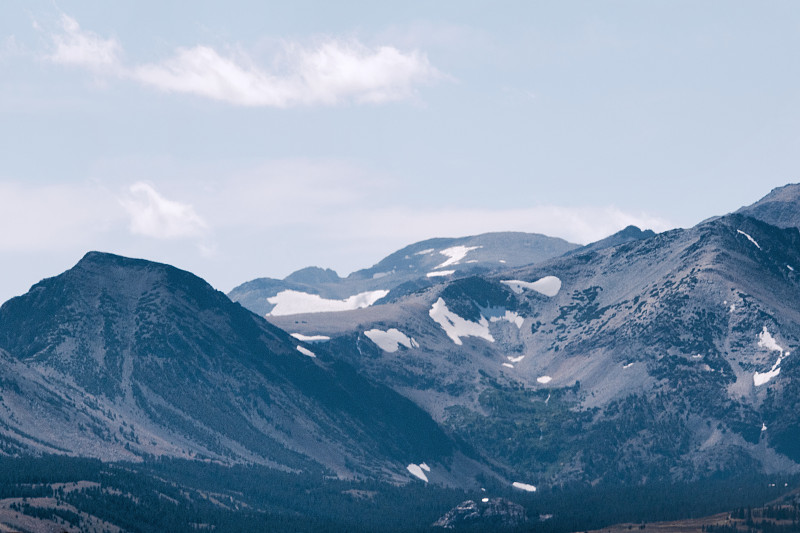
254, 138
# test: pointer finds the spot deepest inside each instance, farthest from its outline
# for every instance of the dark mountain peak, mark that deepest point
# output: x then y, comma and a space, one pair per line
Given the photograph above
633, 232
629, 234
105, 258
313, 274
129, 278
116, 304
103, 262
781, 207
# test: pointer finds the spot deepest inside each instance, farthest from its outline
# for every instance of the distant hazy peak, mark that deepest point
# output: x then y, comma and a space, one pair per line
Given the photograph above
313, 274
635, 233
629, 234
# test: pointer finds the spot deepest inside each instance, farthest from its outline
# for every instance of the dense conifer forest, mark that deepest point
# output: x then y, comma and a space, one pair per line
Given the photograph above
175, 495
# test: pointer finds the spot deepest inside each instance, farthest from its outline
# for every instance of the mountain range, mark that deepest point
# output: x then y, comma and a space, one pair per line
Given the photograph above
506, 359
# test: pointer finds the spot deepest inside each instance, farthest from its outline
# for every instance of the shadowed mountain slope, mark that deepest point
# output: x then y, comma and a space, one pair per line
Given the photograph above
121, 358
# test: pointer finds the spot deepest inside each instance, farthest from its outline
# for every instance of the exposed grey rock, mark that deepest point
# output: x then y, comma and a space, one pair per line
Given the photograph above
496, 513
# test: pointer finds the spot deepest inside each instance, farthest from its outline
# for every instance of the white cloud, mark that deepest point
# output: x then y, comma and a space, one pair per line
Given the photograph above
77, 47
331, 72
152, 215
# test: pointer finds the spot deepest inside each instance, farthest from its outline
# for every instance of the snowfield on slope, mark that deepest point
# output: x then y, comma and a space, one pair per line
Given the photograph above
749, 238
440, 273
548, 285
390, 340
509, 316
455, 254
416, 470
291, 302
457, 327
310, 338
306, 351
766, 341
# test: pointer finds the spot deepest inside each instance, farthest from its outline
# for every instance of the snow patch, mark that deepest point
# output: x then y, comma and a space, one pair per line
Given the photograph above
291, 302
440, 273
416, 470
425, 467
763, 426
544, 380
310, 338
507, 365
390, 340
761, 378
628, 365
425, 252
766, 341
732, 308
548, 285
790, 267
485, 500
502, 260
306, 351
523, 486
515, 359
749, 238
457, 327
509, 316
379, 275
456, 254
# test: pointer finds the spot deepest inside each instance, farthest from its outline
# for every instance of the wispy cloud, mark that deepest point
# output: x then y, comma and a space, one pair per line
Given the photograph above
331, 72
152, 215
76, 47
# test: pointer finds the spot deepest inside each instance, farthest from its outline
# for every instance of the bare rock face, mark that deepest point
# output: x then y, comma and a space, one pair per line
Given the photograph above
496, 513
